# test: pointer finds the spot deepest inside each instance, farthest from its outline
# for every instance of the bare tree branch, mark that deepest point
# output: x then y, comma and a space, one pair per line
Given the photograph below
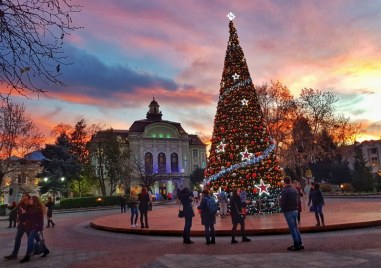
31, 40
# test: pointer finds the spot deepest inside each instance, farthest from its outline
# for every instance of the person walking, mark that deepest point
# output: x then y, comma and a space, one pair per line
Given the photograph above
50, 205
317, 200
186, 198
237, 216
21, 227
144, 202
12, 214
123, 200
223, 203
34, 225
208, 219
133, 204
289, 199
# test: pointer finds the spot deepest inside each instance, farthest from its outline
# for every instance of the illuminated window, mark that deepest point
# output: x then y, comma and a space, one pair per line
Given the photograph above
174, 163
162, 163
148, 163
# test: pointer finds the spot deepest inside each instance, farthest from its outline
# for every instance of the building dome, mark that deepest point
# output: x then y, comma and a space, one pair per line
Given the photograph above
154, 112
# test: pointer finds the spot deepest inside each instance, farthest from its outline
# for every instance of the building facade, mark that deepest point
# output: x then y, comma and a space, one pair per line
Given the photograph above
22, 177
165, 150
371, 151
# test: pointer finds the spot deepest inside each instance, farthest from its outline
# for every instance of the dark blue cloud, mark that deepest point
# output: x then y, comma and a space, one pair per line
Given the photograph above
95, 78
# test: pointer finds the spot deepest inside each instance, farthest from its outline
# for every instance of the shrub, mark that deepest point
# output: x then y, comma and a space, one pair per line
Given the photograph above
3, 210
83, 202
325, 187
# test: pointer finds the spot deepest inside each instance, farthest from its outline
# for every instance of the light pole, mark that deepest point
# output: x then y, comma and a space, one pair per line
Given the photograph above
62, 179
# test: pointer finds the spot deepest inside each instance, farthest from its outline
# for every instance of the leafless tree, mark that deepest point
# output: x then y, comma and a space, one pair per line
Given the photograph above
318, 107
344, 131
31, 43
111, 158
18, 135
279, 111
59, 129
147, 178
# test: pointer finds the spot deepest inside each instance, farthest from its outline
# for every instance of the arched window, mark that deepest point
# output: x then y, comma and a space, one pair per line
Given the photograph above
148, 163
162, 163
174, 162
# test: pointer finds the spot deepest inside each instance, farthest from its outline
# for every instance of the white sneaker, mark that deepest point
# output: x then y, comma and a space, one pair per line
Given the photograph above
137, 225
133, 226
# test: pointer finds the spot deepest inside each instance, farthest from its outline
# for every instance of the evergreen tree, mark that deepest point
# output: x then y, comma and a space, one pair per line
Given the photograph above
242, 152
197, 177
362, 178
58, 164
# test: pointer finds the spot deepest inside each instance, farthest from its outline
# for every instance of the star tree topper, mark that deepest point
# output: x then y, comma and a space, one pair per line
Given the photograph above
263, 188
246, 155
230, 16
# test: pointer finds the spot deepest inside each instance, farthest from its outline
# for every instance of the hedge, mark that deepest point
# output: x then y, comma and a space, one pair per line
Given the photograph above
3, 210
83, 202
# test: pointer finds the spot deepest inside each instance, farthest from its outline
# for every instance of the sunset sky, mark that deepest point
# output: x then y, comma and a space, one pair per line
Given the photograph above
130, 51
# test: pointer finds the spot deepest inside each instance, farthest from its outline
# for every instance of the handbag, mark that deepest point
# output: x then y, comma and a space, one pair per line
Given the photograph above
181, 211
39, 246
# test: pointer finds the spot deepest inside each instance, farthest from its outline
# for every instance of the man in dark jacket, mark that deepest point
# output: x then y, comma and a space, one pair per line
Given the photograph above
207, 219
186, 198
289, 199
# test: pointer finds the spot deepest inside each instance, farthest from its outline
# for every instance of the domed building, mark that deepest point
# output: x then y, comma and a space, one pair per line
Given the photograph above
165, 150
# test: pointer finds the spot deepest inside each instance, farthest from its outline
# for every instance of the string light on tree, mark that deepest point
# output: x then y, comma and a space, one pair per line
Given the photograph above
235, 130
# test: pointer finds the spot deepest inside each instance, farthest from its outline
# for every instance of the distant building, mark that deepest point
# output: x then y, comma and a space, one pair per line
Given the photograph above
371, 151
166, 150
22, 177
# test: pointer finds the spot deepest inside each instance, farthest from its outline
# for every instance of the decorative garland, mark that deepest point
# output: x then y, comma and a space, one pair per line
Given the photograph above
252, 161
228, 90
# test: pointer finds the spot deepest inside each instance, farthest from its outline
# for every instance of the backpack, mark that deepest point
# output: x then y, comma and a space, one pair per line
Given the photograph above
211, 205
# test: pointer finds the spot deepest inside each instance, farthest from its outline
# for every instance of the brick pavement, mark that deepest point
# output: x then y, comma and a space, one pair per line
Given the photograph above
94, 248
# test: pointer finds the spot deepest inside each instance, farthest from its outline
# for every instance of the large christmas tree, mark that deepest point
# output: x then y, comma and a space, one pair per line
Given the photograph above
242, 151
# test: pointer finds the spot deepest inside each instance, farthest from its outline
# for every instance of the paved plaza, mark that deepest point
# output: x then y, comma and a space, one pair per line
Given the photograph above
74, 243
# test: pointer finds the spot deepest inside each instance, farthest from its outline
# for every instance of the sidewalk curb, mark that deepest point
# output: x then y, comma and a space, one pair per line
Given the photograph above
255, 232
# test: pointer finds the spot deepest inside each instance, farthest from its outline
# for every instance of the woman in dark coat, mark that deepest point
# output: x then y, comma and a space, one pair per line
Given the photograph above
186, 197
237, 216
34, 225
144, 201
207, 219
317, 200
